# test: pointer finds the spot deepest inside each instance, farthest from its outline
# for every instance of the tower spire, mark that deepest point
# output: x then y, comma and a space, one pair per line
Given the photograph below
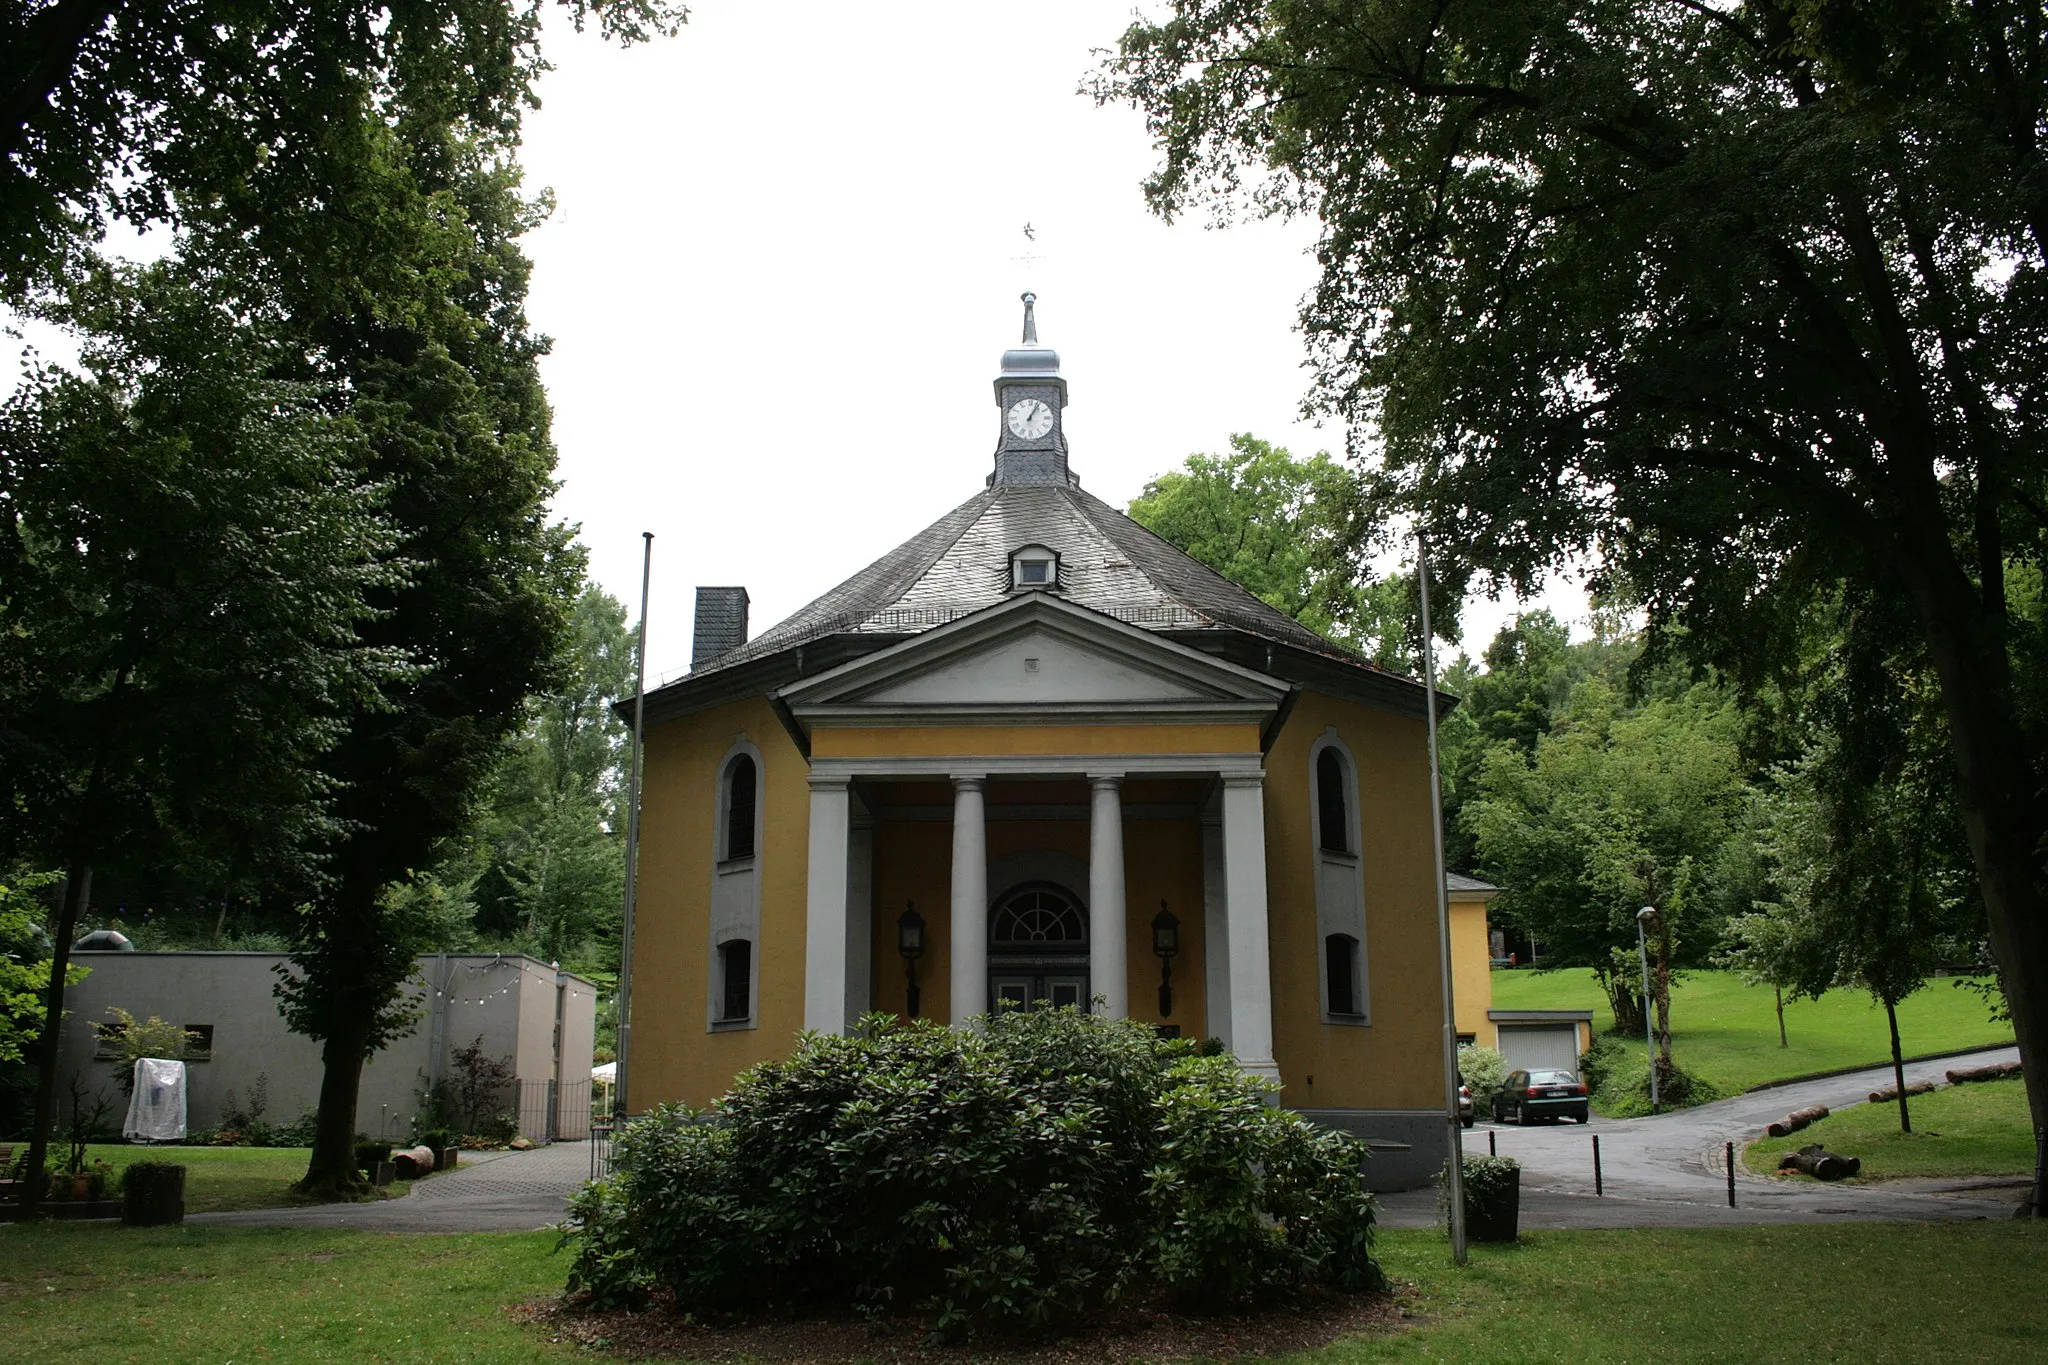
1030, 322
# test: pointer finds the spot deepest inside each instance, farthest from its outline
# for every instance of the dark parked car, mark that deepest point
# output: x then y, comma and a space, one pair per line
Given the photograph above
1531, 1095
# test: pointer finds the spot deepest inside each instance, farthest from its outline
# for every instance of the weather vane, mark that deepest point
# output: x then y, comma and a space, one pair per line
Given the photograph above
1030, 260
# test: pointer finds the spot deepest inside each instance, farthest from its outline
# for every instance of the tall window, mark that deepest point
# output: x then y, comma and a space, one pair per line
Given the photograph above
1331, 818
736, 972
1340, 960
739, 808
1337, 853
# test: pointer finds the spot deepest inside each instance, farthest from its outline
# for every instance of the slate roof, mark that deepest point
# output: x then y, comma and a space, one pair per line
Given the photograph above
1458, 881
960, 564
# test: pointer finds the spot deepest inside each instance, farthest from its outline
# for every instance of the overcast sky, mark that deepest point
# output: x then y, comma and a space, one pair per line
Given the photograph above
784, 261
785, 258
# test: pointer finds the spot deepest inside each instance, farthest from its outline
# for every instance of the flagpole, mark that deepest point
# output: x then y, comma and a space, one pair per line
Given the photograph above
1455, 1169
620, 1104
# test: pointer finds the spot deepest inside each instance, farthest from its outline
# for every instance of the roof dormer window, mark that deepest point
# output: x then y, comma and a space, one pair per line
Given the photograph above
1034, 566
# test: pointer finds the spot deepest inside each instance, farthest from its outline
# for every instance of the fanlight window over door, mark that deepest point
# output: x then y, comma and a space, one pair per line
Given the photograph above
1039, 917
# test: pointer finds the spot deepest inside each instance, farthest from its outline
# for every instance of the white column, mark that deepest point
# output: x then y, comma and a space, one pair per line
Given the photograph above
1109, 970
825, 909
1215, 926
969, 950
860, 918
1244, 881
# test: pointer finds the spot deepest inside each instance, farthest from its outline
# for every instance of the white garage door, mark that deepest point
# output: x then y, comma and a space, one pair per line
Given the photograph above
1536, 1047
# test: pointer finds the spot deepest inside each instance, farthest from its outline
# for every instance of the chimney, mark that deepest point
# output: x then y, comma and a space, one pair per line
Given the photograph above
721, 625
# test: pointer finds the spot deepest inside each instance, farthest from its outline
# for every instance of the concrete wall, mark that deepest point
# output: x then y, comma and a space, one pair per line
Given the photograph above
506, 1000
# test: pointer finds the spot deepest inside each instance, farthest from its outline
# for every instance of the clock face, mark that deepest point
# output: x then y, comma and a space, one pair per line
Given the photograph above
1029, 419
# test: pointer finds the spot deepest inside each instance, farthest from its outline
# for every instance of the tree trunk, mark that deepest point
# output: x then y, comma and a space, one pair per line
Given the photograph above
1818, 1162
1621, 998
331, 1171
1660, 982
1891, 1016
2002, 811
77, 893
1781, 1016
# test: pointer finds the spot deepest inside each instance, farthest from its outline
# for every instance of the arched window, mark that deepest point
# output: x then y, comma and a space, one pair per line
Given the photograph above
733, 964
1340, 961
1332, 819
1038, 915
1337, 848
739, 808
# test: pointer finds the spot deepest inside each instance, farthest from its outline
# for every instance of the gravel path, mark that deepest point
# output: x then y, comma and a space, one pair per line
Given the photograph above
488, 1192
1670, 1170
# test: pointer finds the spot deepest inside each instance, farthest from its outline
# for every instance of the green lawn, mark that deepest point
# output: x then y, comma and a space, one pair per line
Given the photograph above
1960, 1130
1727, 1032
1848, 1292
218, 1179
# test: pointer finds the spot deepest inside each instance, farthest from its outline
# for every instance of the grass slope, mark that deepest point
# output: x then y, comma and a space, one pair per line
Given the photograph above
1846, 1292
1727, 1031
1981, 1129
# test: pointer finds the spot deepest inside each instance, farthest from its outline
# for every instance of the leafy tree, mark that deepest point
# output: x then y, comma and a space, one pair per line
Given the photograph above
133, 1039
23, 948
1746, 299
551, 840
186, 558
141, 111
1617, 806
1295, 533
443, 381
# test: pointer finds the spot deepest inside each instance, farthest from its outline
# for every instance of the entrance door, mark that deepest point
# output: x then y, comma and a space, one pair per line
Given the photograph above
1038, 949
1013, 991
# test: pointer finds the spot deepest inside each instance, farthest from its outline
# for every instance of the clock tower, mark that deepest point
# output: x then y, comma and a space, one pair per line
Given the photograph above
1031, 443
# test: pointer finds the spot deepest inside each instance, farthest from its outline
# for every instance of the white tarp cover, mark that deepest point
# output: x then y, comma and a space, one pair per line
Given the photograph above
156, 1113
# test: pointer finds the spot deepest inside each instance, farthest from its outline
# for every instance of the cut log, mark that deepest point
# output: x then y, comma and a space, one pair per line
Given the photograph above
1891, 1092
1995, 1071
1797, 1119
1818, 1162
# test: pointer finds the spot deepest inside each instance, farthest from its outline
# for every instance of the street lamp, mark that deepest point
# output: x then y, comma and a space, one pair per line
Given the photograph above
910, 943
1644, 916
1166, 943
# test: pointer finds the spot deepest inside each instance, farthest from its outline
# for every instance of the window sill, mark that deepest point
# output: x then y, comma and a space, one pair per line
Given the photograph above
1348, 1020
726, 865
1337, 855
732, 1025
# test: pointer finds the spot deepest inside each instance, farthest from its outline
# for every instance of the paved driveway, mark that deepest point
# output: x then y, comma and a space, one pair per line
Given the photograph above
1671, 1170
489, 1192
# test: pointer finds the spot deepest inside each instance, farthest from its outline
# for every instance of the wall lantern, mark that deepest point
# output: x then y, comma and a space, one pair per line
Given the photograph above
910, 943
1166, 943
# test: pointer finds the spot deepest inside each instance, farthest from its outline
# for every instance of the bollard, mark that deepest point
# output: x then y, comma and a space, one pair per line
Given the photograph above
1491, 1150
1598, 1187
1731, 1175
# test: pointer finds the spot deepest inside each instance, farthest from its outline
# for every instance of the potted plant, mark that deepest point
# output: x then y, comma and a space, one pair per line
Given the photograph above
1493, 1198
152, 1193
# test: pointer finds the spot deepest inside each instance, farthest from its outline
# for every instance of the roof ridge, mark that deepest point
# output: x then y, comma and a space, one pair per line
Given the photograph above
1259, 617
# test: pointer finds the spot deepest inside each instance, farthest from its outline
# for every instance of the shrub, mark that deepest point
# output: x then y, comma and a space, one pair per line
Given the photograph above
1598, 1062
1492, 1197
132, 1039
440, 1139
1624, 1091
1011, 1176
370, 1154
480, 1082
1483, 1069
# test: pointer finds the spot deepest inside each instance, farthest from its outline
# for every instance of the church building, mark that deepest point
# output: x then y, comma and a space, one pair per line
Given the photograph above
1036, 753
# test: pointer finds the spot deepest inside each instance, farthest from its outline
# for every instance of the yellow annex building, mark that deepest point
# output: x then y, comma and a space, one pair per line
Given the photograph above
1037, 753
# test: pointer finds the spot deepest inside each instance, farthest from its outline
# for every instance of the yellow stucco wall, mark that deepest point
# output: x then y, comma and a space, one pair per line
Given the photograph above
1391, 1064
674, 1057
1471, 972
1396, 1062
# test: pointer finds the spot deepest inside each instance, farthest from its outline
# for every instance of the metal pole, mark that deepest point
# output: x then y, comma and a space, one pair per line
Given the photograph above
1456, 1176
1649, 1030
619, 1102
1491, 1150
1599, 1187
1731, 1175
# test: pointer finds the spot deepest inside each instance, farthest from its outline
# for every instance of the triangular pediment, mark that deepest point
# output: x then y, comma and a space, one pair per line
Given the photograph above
1035, 651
